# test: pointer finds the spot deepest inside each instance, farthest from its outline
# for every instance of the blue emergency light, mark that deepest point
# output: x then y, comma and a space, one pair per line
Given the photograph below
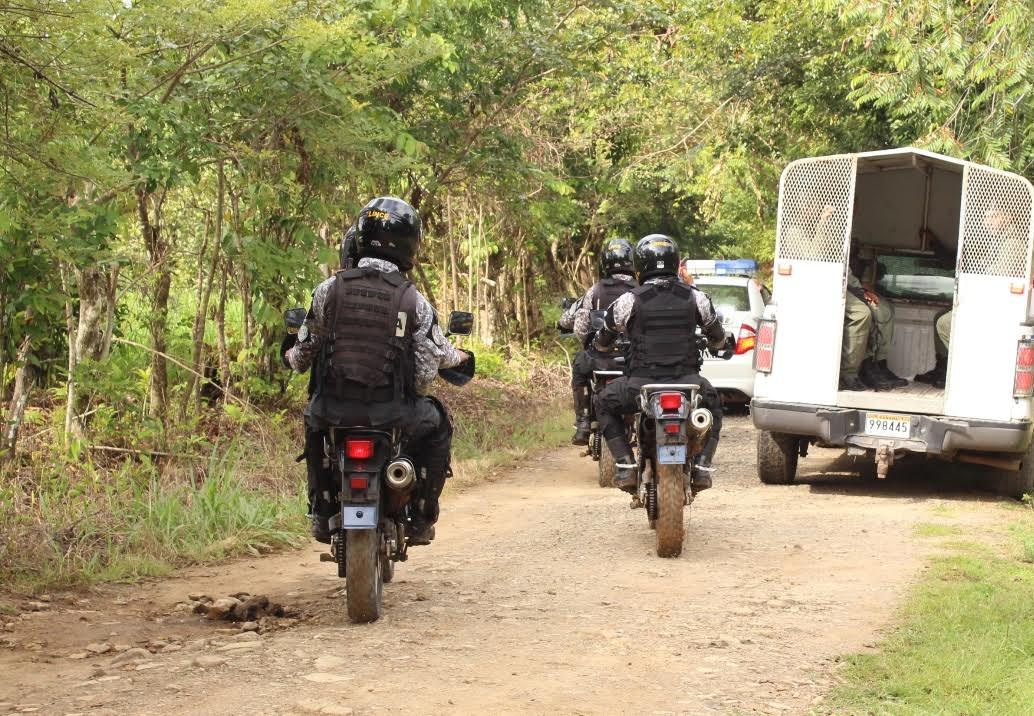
721, 267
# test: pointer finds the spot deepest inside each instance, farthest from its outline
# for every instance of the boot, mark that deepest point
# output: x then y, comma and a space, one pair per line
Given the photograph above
320, 527
582, 427
938, 375
420, 532
850, 382
626, 475
700, 477
894, 380
870, 376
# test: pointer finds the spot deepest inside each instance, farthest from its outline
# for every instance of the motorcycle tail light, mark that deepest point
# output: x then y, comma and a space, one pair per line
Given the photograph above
671, 402
1023, 378
359, 449
746, 340
764, 346
359, 482
672, 428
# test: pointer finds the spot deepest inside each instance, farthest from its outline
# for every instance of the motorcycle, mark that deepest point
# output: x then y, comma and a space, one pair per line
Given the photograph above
670, 430
380, 488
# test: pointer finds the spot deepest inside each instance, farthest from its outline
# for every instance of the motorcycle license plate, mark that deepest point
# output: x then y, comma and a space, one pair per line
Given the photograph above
671, 454
358, 517
888, 425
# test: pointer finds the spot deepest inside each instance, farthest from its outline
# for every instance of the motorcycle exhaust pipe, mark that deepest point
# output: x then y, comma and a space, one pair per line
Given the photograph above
701, 419
400, 474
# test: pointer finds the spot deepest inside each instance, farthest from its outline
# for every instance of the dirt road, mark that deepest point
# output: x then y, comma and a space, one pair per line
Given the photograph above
541, 595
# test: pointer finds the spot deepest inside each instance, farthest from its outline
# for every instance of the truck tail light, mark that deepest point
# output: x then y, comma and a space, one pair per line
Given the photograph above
671, 402
1023, 378
746, 340
764, 346
359, 449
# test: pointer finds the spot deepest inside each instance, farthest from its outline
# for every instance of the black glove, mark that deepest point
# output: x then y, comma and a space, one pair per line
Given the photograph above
285, 345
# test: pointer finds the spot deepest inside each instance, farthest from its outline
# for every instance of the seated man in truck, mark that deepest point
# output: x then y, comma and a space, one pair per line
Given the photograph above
868, 333
986, 256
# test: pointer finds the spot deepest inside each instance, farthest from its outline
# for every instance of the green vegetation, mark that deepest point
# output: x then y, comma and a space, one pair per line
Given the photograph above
933, 529
966, 645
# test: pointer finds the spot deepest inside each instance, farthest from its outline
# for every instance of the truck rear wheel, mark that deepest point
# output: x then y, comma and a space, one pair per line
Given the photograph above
1021, 482
777, 457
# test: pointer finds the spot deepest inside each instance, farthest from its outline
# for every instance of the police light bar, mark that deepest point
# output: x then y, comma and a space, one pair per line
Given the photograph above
722, 267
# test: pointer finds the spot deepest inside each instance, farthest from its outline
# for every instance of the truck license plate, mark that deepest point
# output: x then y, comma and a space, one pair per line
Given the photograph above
888, 425
671, 454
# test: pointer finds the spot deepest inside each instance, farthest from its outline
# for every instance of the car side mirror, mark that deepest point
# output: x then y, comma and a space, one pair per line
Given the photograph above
294, 318
568, 302
461, 323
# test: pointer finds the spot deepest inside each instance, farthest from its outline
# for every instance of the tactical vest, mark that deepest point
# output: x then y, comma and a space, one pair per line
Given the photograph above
608, 290
368, 354
662, 331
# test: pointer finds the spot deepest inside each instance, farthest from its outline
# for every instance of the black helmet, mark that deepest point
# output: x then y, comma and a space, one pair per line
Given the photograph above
388, 228
349, 251
616, 257
656, 255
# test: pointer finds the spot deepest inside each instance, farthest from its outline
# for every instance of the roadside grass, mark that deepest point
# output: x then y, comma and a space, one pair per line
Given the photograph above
966, 644
72, 518
933, 529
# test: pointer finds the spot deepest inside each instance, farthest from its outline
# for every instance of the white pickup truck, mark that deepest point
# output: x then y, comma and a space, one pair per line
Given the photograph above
891, 204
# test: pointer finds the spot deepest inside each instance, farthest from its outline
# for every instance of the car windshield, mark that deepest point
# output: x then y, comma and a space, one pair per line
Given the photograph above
917, 278
727, 298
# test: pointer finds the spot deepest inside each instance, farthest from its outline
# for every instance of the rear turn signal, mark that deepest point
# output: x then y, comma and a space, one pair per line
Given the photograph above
746, 340
1023, 380
359, 449
764, 346
671, 402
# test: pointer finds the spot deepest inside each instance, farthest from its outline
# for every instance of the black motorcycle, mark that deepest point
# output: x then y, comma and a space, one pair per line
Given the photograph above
671, 428
380, 487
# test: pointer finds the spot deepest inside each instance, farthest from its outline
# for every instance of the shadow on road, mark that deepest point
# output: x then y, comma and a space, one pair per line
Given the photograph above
912, 477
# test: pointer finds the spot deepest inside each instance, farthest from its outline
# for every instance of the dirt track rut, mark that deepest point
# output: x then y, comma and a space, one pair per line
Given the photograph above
542, 594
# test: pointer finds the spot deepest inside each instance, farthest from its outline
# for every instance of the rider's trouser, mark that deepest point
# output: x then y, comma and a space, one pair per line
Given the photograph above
581, 372
621, 397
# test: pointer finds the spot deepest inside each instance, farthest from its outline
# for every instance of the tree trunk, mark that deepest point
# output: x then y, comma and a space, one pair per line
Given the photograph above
245, 286
220, 333
92, 336
24, 381
161, 274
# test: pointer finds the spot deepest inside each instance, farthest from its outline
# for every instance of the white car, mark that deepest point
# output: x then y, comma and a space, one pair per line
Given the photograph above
741, 300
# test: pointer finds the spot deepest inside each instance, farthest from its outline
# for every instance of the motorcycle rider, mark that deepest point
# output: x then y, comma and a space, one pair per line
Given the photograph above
660, 318
615, 281
375, 345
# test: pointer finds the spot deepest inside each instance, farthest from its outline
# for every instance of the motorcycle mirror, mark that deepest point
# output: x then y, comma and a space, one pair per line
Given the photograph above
294, 318
461, 323
567, 302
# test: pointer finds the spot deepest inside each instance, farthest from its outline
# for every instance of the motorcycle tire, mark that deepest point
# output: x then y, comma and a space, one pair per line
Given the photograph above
671, 498
364, 588
606, 466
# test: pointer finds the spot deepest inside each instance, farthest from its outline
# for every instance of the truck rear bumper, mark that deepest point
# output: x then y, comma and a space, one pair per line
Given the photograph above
933, 434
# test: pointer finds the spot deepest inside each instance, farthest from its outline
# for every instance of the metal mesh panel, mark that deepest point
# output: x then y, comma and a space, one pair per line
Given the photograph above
814, 207
996, 224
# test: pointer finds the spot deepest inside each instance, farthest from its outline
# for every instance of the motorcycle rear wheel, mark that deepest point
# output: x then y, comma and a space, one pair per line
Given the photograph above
606, 466
671, 497
364, 592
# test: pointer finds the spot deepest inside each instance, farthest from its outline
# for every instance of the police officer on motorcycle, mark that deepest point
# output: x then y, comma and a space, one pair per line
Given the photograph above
375, 346
660, 318
615, 281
